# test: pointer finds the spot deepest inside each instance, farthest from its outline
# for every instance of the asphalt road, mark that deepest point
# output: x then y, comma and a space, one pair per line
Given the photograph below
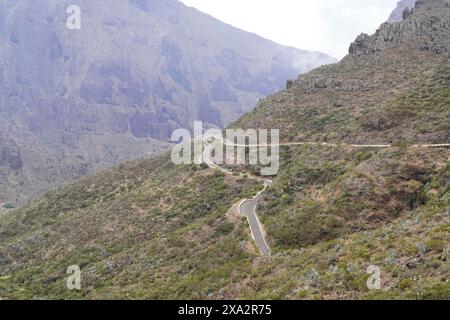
247, 208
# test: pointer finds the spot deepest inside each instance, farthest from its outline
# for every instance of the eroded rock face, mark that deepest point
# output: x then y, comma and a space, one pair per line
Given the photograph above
426, 28
431, 32
10, 156
361, 45
335, 84
398, 14
117, 88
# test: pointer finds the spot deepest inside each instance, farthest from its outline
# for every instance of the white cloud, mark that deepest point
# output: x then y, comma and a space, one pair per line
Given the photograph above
323, 25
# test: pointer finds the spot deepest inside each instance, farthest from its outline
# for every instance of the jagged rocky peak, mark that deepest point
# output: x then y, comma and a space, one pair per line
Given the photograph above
403, 7
425, 28
427, 25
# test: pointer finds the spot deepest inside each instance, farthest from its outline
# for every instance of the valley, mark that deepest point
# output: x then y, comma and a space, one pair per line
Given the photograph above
363, 184
74, 101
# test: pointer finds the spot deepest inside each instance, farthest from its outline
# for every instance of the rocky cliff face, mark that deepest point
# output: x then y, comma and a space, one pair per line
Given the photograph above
72, 101
424, 29
397, 14
353, 92
429, 28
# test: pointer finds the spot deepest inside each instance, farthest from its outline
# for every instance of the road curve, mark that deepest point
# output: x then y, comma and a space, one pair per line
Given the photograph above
247, 208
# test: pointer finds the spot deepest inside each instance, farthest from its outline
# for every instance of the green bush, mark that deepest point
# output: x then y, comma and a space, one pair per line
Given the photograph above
225, 228
405, 284
8, 206
436, 245
439, 291
363, 156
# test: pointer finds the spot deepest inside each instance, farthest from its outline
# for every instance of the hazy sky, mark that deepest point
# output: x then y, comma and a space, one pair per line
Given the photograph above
323, 25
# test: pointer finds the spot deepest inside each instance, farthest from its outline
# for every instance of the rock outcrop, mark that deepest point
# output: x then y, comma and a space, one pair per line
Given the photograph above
430, 31
365, 98
425, 28
402, 7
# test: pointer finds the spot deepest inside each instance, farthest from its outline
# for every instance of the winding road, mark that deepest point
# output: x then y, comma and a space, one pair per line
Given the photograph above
247, 207
379, 146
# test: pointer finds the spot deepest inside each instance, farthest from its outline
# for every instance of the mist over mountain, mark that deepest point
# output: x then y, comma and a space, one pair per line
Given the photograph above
73, 101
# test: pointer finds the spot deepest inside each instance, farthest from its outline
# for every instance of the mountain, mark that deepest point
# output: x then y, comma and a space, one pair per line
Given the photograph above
150, 229
397, 14
74, 101
391, 88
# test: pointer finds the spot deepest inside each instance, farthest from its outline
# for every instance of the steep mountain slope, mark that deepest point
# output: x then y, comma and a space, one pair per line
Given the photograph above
141, 225
391, 88
148, 229
72, 101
